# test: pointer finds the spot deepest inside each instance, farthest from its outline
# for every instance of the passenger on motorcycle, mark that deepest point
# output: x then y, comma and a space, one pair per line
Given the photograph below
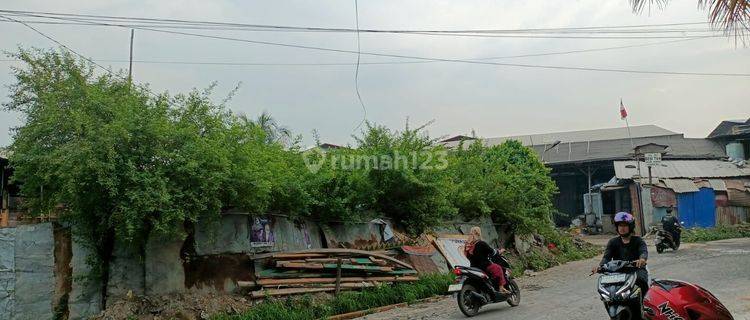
627, 247
479, 253
671, 225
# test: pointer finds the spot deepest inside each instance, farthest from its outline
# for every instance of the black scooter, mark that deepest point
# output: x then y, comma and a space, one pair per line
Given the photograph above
476, 289
664, 239
617, 288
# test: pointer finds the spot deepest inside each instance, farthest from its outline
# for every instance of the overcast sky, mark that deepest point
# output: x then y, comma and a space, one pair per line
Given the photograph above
492, 100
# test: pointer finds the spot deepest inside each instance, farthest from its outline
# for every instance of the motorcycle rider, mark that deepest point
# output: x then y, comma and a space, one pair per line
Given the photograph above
479, 253
671, 225
627, 247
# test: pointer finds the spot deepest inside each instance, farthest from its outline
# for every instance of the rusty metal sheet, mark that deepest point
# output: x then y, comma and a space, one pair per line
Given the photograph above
736, 184
738, 198
727, 216
423, 264
662, 197
722, 200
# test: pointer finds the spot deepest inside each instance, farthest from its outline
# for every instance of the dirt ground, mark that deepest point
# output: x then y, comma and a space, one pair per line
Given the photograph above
189, 306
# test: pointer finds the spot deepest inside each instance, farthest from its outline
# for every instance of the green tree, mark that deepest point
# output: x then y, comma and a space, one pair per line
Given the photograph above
122, 163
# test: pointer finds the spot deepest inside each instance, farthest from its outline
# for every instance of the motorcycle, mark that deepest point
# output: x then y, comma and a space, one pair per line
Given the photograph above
665, 300
666, 240
672, 299
475, 288
617, 288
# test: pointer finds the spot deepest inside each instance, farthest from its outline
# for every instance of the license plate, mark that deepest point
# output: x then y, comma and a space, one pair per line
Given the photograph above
454, 287
614, 278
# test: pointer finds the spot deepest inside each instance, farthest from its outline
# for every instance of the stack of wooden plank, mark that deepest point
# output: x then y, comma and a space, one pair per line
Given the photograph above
323, 270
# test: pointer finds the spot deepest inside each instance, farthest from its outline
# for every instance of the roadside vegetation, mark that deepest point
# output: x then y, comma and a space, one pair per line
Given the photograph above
717, 233
312, 307
121, 163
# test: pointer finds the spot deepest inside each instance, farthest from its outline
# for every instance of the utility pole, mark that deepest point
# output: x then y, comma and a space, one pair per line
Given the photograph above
130, 68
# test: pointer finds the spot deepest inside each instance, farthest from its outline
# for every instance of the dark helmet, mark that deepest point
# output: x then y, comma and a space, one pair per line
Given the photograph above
624, 217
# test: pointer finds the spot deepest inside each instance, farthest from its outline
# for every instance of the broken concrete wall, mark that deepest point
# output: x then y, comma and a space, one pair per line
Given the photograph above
125, 272
233, 233
34, 272
7, 271
164, 269
85, 298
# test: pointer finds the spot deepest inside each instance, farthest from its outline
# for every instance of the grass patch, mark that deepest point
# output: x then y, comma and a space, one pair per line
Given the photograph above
717, 233
308, 308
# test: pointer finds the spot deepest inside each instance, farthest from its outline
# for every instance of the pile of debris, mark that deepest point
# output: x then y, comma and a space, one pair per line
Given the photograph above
323, 270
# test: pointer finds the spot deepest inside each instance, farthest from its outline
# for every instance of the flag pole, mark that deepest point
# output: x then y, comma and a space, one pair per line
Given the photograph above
627, 125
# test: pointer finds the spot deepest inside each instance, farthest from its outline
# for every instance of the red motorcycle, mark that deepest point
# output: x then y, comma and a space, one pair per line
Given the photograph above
672, 300
665, 300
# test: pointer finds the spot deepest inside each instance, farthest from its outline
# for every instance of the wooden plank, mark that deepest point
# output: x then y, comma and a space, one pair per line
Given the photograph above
277, 273
403, 271
319, 266
378, 261
275, 282
354, 252
287, 255
321, 260
363, 260
286, 291
338, 276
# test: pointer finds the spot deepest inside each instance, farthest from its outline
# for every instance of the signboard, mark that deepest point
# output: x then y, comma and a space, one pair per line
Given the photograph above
453, 250
652, 159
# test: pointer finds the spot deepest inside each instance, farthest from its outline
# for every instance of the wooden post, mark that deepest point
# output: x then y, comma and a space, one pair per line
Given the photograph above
338, 276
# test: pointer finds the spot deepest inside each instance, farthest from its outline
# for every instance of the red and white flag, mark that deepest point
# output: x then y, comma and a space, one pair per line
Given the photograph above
623, 112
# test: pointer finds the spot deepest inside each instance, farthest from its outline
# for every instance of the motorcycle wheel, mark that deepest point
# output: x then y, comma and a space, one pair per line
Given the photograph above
659, 249
515, 298
466, 304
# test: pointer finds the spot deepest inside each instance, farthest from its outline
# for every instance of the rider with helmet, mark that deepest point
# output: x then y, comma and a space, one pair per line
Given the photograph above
627, 247
671, 225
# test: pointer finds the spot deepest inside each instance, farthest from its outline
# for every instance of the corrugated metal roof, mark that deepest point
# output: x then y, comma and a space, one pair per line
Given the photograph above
679, 148
682, 169
541, 139
717, 184
681, 185
600, 149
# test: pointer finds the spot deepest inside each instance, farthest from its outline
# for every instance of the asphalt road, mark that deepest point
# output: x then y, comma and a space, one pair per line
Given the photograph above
567, 292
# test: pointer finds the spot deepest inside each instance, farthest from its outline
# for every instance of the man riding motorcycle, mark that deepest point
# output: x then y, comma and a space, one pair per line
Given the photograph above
627, 247
478, 252
671, 225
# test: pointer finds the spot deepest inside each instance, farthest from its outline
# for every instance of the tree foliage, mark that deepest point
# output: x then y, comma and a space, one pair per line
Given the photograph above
120, 162
124, 162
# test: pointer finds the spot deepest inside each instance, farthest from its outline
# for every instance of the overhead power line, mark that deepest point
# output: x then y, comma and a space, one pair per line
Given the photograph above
303, 64
499, 33
74, 52
376, 54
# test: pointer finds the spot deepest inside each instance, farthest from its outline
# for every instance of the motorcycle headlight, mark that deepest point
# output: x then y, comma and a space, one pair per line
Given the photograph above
625, 294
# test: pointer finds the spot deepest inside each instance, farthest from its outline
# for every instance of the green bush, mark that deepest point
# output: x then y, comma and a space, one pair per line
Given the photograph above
717, 233
305, 307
